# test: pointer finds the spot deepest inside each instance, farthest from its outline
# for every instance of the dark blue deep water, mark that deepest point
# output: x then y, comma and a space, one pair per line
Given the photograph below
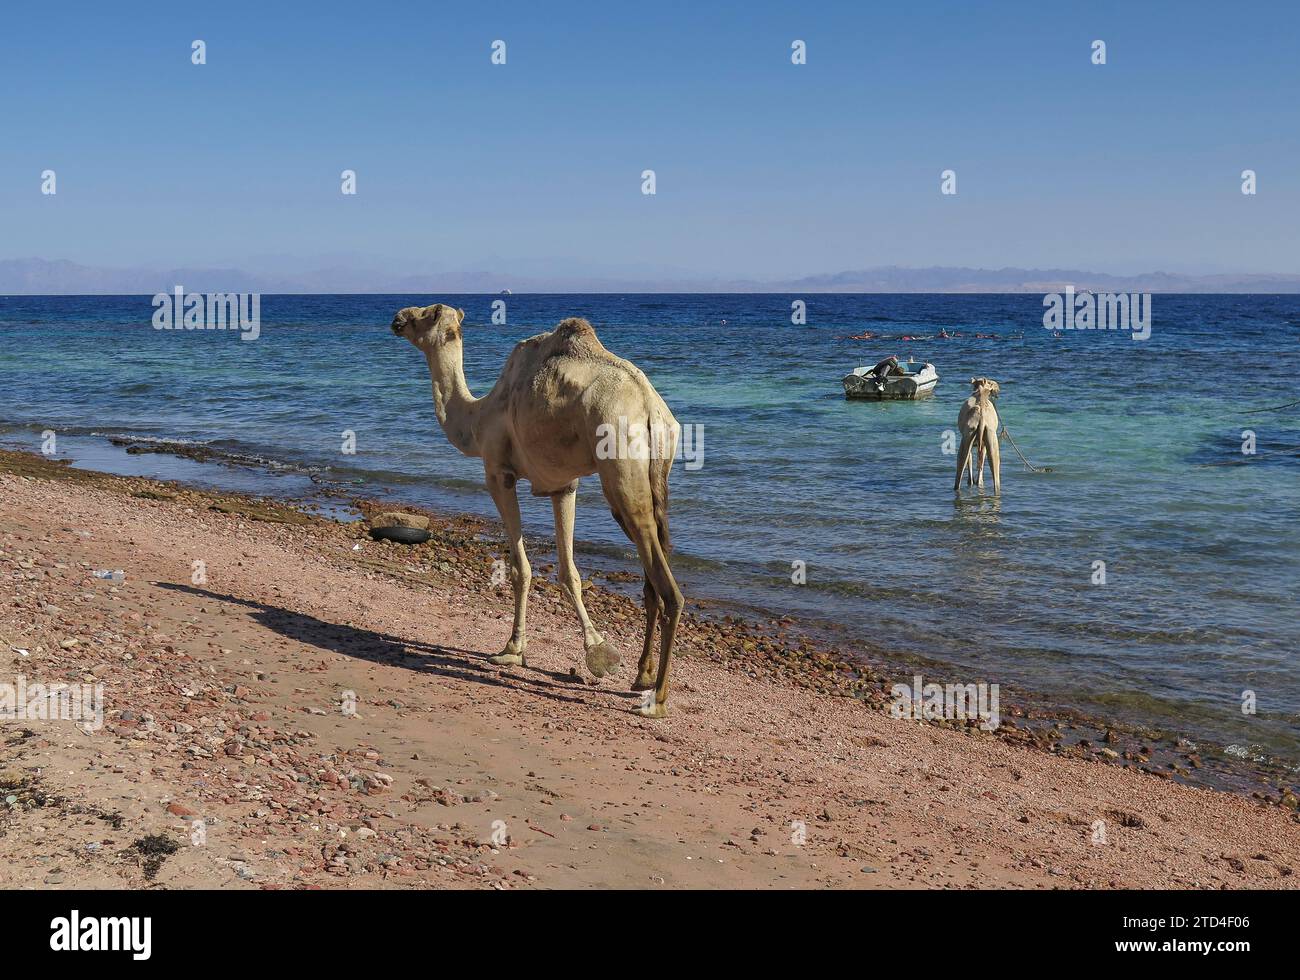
1202, 562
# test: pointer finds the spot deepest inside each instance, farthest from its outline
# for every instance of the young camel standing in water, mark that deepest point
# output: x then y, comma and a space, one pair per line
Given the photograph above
978, 424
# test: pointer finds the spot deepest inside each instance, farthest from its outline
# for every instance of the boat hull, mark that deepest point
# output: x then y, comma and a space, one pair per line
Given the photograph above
907, 387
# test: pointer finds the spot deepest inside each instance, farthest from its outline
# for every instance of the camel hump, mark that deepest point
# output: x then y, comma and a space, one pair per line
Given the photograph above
576, 337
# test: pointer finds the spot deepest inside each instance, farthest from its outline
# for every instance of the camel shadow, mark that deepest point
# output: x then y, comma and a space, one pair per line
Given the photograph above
384, 648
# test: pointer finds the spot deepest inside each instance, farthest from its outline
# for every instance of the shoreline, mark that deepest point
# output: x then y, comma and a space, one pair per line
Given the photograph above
1031, 716
222, 714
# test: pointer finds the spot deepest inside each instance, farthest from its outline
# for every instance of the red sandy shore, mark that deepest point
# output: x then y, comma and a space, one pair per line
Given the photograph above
224, 714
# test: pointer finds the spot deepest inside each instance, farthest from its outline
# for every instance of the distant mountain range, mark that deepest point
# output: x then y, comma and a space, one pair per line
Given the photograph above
58, 277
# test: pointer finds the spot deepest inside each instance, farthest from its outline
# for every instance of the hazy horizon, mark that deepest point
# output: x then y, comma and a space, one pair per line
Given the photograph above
41, 278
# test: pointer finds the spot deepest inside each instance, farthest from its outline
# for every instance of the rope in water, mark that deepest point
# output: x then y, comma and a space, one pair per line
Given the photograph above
1255, 456
1274, 408
1251, 458
1028, 465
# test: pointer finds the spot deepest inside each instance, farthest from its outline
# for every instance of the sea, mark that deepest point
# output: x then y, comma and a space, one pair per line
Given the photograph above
1146, 569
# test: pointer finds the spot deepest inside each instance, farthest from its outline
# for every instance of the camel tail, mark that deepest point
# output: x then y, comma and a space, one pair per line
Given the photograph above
660, 467
988, 433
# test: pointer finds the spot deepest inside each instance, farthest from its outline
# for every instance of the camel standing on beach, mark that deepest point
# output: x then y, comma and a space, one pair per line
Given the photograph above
549, 420
978, 424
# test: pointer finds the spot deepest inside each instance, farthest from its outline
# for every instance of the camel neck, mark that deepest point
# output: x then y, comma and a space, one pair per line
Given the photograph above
455, 407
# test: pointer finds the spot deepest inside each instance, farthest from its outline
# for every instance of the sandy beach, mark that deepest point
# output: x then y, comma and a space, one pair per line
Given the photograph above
320, 713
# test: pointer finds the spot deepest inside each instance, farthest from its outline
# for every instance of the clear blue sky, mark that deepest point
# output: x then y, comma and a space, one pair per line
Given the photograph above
764, 168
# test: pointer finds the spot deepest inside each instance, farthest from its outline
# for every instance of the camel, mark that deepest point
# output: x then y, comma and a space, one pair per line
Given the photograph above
978, 424
548, 420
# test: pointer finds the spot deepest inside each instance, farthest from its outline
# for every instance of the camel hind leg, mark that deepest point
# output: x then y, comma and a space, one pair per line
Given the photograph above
627, 488
660, 576
963, 458
645, 679
654, 611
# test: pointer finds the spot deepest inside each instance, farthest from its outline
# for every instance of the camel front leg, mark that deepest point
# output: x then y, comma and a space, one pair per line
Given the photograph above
502, 488
602, 658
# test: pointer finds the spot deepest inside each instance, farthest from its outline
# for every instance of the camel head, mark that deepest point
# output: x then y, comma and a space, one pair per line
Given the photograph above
430, 327
987, 385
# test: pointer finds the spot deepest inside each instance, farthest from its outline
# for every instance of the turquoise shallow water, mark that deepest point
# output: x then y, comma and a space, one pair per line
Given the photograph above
1202, 562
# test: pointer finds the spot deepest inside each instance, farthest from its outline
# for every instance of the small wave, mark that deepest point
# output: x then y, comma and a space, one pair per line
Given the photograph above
203, 451
136, 437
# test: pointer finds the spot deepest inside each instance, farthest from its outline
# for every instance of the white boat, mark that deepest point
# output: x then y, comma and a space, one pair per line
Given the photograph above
891, 380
